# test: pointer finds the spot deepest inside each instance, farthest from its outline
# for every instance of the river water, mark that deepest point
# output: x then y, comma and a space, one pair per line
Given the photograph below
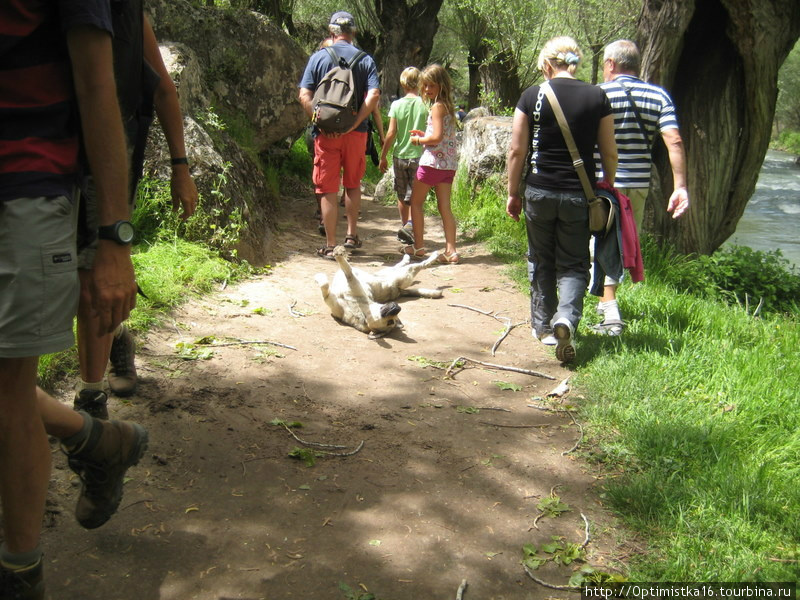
771, 219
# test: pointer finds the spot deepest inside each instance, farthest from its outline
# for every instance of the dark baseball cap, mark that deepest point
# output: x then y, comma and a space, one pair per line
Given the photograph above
344, 19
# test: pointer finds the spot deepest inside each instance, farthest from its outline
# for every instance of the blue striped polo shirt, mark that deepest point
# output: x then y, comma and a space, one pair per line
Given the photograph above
658, 113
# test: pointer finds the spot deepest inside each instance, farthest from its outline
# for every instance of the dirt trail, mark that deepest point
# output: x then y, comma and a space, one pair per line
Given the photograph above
438, 493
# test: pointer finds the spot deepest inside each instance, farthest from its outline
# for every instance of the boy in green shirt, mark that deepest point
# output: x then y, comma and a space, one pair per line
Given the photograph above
405, 114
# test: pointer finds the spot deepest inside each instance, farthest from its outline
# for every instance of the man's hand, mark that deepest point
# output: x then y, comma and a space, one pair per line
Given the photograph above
383, 165
184, 191
514, 206
113, 285
678, 202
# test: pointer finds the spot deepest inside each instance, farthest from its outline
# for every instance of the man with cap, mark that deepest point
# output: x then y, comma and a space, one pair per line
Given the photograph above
340, 156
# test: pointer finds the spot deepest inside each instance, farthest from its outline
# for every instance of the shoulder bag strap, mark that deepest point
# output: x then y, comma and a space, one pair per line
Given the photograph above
636, 113
577, 161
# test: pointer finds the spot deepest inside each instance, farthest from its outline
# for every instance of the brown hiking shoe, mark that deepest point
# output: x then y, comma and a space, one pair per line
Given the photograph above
122, 376
112, 447
25, 584
93, 402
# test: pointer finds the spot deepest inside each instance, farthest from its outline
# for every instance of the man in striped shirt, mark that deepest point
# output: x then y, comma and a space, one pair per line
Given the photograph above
641, 111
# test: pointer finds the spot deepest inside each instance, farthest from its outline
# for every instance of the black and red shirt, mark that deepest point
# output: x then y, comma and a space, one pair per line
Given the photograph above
39, 123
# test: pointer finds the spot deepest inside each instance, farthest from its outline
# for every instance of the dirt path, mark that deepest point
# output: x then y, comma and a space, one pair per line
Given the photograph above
438, 493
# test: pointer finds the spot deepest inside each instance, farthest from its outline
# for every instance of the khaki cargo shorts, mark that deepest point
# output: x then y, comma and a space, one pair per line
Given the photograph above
38, 276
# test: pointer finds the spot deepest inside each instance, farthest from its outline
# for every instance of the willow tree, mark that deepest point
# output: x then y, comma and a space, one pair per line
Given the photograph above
405, 32
720, 60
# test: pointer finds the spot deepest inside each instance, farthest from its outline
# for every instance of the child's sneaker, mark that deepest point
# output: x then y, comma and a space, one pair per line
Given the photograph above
406, 234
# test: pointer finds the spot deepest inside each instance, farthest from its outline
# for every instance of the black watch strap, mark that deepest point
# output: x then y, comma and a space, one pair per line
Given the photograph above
120, 232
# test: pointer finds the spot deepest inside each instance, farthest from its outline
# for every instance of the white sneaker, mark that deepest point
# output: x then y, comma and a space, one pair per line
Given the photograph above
563, 331
548, 339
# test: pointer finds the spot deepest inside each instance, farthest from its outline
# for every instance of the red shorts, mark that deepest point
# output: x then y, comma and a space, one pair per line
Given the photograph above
432, 176
333, 155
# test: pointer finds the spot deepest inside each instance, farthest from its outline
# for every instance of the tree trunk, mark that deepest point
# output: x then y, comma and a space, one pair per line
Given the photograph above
500, 78
719, 59
475, 58
405, 40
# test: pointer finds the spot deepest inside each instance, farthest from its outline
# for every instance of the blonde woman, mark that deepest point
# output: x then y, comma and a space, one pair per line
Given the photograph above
438, 164
555, 208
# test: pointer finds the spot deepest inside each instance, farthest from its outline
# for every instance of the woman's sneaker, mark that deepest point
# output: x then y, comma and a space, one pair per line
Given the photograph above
563, 331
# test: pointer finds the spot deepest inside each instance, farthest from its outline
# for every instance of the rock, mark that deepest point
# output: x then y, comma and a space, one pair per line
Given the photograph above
484, 146
236, 200
250, 67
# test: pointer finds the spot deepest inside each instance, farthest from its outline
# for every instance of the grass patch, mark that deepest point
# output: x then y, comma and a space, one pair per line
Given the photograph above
693, 414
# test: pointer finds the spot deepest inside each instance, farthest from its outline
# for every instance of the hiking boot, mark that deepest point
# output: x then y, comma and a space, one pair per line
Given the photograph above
565, 351
122, 376
93, 402
112, 447
25, 584
406, 234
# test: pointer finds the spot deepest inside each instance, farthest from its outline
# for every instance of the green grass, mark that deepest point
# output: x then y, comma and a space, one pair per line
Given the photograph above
692, 416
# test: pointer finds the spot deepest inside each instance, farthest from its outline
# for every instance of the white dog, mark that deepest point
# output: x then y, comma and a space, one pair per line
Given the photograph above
366, 300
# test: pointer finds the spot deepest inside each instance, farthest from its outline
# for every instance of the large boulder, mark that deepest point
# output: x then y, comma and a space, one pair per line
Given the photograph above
250, 67
485, 145
236, 201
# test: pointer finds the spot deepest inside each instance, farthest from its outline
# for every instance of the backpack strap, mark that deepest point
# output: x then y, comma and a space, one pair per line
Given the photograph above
359, 55
333, 55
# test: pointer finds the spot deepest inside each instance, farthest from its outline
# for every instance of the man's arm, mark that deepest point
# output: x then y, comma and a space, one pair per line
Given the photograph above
114, 286
607, 144
371, 101
168, 109
387, 144
679, 200
306, 98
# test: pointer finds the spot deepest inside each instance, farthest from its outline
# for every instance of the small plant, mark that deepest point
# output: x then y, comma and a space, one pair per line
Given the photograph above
552, 506
211, 119
557, 550
351, 594
307, 455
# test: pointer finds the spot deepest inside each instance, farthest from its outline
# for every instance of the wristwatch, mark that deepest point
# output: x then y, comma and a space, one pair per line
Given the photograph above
120, 232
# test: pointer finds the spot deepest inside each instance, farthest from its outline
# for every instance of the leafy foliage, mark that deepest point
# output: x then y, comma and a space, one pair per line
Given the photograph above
737, 274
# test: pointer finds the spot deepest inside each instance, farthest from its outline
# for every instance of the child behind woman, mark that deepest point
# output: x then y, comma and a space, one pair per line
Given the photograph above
438, 164
405, 114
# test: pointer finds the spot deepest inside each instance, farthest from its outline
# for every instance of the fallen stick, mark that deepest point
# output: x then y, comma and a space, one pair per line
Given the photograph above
247, 342
496, 317
580, 439
515, 426
461, 588
312, 444
501, 367
565, 588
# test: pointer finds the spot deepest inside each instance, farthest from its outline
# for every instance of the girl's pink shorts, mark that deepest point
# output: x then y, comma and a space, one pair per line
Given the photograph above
431, 176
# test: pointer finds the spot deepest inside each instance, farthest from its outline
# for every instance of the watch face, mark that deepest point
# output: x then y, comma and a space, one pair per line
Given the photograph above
125, 232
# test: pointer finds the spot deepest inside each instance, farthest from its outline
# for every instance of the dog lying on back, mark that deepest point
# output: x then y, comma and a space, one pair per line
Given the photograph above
366, 300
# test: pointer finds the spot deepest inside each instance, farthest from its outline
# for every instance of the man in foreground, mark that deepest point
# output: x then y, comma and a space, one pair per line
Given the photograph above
40, 94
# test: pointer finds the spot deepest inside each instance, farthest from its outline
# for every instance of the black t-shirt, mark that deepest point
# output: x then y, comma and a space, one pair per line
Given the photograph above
584, 105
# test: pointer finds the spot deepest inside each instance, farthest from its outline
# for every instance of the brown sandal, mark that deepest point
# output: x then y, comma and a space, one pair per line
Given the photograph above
351, 242
326, 252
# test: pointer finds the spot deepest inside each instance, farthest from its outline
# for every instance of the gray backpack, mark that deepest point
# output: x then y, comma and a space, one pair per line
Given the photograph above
335, 102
